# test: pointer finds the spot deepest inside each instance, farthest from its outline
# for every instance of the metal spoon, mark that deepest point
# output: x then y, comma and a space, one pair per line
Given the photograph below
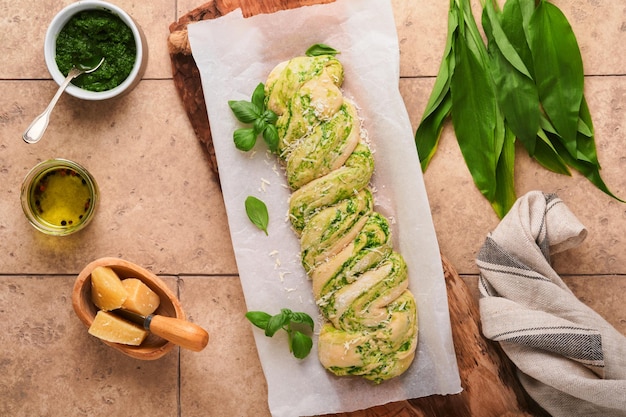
35, 131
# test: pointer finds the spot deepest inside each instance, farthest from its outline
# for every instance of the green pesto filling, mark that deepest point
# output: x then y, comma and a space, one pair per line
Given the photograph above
86, 38
332, 188
371, 247
331, 224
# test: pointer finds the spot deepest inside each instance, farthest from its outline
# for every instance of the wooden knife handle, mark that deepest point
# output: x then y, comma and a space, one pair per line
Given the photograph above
181, 332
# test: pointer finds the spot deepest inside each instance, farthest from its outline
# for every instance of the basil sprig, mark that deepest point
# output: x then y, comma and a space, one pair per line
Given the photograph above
262, 119
257, 212
300, 344
526, 84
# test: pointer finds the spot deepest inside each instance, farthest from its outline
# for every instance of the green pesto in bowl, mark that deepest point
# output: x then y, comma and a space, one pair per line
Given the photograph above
90, 35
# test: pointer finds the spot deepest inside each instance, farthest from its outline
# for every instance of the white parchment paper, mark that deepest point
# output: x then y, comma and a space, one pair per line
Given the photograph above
233, 55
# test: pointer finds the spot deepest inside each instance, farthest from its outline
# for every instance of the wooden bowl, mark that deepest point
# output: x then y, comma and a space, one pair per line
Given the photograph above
153, 347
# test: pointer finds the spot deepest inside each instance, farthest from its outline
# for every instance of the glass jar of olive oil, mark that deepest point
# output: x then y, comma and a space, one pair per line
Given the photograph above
59, 197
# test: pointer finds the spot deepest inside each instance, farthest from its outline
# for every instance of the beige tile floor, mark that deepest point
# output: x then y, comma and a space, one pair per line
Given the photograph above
162, 208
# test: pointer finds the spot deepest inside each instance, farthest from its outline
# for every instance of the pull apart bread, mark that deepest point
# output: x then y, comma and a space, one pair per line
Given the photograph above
360, 283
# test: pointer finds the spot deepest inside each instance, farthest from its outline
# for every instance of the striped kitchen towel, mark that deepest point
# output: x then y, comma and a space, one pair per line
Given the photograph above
568, 358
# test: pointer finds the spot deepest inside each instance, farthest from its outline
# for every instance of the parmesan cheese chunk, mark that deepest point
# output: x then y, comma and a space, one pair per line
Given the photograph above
107, 291
141, 299
109, 327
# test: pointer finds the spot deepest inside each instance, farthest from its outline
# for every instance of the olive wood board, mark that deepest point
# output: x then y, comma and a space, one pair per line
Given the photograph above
490, 386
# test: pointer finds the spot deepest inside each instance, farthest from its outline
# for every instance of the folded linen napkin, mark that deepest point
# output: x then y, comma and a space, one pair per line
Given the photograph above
569, 359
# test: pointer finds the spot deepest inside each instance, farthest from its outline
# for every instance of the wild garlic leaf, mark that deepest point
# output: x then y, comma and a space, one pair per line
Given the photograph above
245, 111
589, 170
537, 75
558, 70
585, 143
429, 131
505, 183
500, 38
474, 117
515, 89
547, 156
439, 103
321, 49
512, 21
442, 82
257, 213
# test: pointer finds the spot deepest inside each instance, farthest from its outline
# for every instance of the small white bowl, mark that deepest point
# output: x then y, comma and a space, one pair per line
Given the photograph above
61, 19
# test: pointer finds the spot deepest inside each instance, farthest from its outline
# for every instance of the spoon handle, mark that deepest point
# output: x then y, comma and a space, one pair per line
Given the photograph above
35, 131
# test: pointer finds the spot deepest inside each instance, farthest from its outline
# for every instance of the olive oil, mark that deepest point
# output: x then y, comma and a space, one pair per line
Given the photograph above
59, 197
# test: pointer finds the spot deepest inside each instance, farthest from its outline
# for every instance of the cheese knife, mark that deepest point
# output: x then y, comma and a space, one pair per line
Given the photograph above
181, 332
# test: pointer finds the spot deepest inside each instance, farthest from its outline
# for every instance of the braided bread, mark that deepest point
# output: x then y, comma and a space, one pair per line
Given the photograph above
359, 282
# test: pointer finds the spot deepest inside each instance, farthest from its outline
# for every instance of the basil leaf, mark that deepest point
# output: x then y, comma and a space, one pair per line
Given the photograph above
558, 70
244, 138
304, 318
245, 111
258, 97
321, 49
257, 213
259, 125
258, 318
269, 116
301, 345
276, 323
270, 136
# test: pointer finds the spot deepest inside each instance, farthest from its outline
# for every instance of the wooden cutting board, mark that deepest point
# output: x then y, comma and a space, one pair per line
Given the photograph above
490, 387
